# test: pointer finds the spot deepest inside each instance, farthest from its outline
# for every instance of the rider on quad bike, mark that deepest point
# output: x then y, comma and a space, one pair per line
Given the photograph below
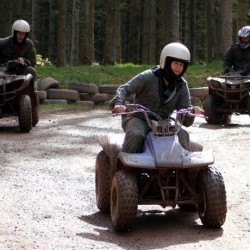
237, 58
229, 94
162, 90
17, 52
156, 163
18, 93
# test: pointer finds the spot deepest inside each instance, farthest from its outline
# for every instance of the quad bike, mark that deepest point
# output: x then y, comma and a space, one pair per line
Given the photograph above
19, 98
163, 174
227, 95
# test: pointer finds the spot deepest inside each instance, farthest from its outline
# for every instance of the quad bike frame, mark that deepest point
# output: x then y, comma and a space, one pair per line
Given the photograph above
18, 97
226, 95
163, 174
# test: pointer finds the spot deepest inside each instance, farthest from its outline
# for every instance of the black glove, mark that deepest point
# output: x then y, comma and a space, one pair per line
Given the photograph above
246, 70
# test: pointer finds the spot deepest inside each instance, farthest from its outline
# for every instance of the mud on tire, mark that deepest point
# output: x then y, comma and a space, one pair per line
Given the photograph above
248, 105
209, 105
25, 113
212, 207
124, 200
102, 182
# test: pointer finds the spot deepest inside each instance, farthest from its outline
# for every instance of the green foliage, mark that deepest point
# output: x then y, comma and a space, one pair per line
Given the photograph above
196, 75
42, 62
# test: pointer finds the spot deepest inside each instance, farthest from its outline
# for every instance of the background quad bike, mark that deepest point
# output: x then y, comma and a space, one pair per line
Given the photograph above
18, 97
227, 95
120, 189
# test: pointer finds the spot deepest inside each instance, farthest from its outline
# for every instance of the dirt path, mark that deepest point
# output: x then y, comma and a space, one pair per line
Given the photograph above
48, 191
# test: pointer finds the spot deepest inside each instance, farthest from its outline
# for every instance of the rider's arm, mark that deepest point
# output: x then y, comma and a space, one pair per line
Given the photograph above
124, 91
228, 61
29, 54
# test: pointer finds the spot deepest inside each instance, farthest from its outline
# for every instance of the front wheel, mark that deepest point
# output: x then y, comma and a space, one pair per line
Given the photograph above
35, 116
248, 105
102, 182
209, 105
25, 113
124, 200
212, 207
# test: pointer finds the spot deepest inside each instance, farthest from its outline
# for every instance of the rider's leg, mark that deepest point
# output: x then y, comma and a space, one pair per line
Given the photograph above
135, 130
188, 144
32, 71
184, 139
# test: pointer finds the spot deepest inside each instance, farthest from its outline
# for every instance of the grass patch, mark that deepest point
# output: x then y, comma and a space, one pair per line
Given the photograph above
96, 74
196, 75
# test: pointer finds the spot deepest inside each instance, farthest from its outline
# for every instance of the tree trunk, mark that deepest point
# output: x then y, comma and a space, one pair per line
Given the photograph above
225, 26
163, 22
61, 38
86, 40
186, 33
109, 52
131, 31
53, 17
152, 30
35, 31
99, 29
210, 34
172, 21
118, 32
242, 14
145, 39
6, 23
74, 58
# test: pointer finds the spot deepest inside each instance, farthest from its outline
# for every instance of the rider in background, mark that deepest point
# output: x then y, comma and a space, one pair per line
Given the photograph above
237, 58
18, 48
162, 90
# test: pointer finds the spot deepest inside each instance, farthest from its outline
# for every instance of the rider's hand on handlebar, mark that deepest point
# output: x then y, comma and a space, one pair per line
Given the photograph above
119, 109
20, 60
198, 110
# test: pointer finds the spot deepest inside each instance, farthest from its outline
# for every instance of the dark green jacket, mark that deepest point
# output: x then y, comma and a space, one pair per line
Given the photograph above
10, 51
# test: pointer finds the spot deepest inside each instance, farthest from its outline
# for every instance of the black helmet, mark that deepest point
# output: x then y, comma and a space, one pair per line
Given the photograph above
244, 32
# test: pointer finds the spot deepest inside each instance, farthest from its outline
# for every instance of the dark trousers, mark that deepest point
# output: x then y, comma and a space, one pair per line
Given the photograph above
136, 130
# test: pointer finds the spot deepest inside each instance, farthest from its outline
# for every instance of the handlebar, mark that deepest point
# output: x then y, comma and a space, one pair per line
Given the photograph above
158, 125
135, 108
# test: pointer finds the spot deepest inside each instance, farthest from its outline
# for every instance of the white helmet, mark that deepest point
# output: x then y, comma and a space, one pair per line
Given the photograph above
244, 32
21, 26
174, 51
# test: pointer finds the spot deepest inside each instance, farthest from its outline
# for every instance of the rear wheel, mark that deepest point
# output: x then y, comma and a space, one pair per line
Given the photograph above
212, 207
227, 118
248, 105
25, 113
188, 207
124, 200
209, 105
35, 110
35, 116
102, 182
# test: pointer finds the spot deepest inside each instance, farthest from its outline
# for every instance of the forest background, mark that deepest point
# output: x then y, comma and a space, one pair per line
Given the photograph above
80, 32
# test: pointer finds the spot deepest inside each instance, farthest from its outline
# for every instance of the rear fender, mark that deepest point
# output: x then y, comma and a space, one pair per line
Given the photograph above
112, 146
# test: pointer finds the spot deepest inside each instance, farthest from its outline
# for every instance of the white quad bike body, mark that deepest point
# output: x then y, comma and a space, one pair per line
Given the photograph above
164, 174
